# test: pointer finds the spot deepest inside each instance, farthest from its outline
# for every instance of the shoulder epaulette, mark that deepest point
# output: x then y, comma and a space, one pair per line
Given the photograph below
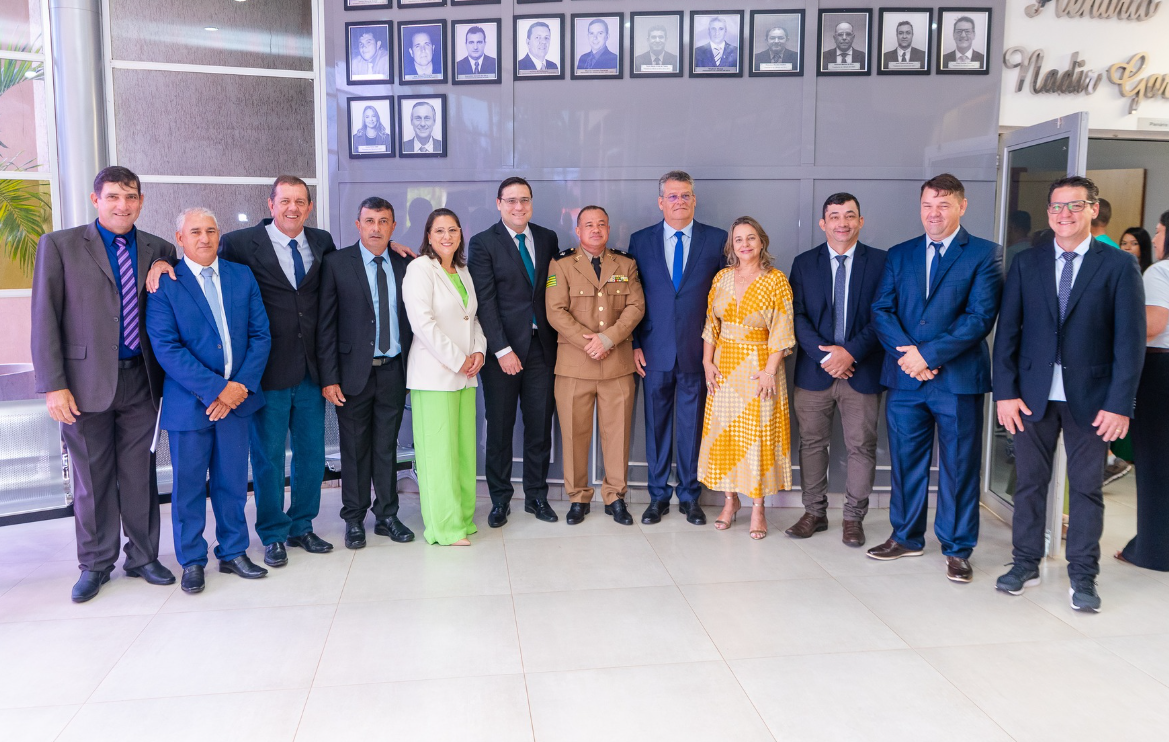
566, 253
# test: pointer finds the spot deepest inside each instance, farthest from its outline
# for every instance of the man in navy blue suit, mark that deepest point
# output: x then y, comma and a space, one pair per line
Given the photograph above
838, 365
677, 259
1067, 357
210, 334
935, 306
599, 56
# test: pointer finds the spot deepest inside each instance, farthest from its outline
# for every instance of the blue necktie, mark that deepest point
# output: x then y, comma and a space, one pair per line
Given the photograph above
1065, 291
679, 262
212, 295
839, 310
297, 263
934, 272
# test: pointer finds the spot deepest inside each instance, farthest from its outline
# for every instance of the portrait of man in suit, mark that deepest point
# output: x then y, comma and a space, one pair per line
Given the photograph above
904, 55
777, 56
422, 122
369, 53
657, 56
843, 39
542, 49
599, 59
962, 54
422, 57
718, 53
476, 63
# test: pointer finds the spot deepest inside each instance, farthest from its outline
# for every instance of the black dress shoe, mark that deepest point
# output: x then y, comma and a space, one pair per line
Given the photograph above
354, 534
542, 510
577, 512
619, 512
275, 555
243, 567
655, 511
193, 581
693, 512
153, 572
310, 542
498, 515
394, 528
89, 584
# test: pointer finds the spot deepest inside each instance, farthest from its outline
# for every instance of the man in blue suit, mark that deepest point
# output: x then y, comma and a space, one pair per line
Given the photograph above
1067, 357
718, 52
677, 259
838, 365
599, 56
210, 335
935, 306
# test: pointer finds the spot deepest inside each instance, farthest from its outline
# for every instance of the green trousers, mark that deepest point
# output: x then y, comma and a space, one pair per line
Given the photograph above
444, 450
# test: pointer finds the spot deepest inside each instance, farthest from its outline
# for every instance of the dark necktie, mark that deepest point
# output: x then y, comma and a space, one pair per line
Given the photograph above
656, 60
597, 265
935, 274
679, 261
904, 56
129, 294
718, 57
1065, 291
527, 258
383, 307
475, 68
297, 263
839, 309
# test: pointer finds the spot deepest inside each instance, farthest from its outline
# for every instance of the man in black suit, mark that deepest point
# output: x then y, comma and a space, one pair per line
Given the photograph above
362, 345
843, 53
1067, 357
964, 55
477, 62
777, 51
906, 53
509, 265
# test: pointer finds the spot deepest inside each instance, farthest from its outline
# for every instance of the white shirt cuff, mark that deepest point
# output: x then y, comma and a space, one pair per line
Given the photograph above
825, 359
503, 352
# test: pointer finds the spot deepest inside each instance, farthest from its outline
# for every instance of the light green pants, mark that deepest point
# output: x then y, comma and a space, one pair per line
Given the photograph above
444, 450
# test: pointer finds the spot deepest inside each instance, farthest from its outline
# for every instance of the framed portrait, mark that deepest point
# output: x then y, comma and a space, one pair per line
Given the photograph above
528, 2
371, 127
963, 35
421, 60
777, 43
715, 40
368, 4
844, 43
422, 121
904, 35
596, 45
403, 4
369, 53
539, 47
655, 44
475, 2
475, 49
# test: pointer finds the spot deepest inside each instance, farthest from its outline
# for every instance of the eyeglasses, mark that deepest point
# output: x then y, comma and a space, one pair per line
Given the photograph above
963, 31
1073, 206
684, 198
526, 201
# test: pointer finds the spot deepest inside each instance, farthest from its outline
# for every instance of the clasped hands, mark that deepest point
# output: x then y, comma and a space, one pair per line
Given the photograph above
841, 364
913, 364
231, 397
471, 365
595, 347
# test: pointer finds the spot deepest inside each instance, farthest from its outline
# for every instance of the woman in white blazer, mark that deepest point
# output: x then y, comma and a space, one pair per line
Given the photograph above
445, 357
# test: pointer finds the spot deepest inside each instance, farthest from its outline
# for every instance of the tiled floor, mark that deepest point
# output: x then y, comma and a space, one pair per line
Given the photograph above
597, 632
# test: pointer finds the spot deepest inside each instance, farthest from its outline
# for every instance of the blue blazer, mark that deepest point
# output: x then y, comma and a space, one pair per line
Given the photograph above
704, 56
187, 344
671, 330
950, 327
812, 286
1103, 333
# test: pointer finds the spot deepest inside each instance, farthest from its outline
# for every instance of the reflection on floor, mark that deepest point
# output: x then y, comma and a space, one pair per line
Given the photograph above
594, 632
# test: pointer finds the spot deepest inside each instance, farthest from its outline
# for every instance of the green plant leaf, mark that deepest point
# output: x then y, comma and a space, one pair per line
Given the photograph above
25, 210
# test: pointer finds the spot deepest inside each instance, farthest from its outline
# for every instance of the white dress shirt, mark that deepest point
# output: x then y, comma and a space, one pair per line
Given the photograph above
833, 264
530, 244
224, 332
670, 241
1057, 393
284, 255
929, 255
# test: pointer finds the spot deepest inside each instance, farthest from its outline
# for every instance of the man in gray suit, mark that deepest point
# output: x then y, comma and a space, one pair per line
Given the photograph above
92, 360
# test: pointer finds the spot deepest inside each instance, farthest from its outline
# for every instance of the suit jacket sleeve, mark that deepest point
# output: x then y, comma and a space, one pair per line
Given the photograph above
806, 335
255, 359
418, 293
1129, 329
48, 304
561, 319
632, 313
228, 250
480, 263
885, 307
1007, 335
178, 362
976, 322
327, 327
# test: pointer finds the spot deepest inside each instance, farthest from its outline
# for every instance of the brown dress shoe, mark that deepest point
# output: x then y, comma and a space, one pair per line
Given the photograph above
891, 550
958, 569
807, 525
854, 533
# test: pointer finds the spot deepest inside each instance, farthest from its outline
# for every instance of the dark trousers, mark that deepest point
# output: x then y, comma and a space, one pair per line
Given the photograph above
674, 405
109, 458
912, 417
858, 417
1150, 547
368, 423
1034, 453
220, 451
532, 389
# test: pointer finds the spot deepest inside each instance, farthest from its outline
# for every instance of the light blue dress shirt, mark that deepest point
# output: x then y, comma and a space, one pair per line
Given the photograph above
371, 275
670, 241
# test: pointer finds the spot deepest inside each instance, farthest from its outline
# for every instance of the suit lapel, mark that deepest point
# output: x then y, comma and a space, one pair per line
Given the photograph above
919, 267
266, 255
358, 263
657, 256
1092, 261
855, 281
953, 252
97, 250
584, 265
509, 246
194, 287
1046, 272
146, 255
226, 293
315, 248
444, 279
697, 235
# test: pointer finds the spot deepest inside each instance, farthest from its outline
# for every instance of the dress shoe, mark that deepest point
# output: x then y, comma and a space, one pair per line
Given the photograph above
498, 515
619, 512
693, 513
577, 512
807, 525
243, 567
394, 528
853, 533
654, 512
542, 510
153, 572
193, 581
89, 584
354, 534
958, 569
310, 542
891, 550
275, 555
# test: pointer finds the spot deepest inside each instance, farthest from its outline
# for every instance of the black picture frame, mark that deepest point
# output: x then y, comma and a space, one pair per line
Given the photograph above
475, 2
357, 73
557, 37
369, 4
889, 65
391, 115
406, 105
406, 60
533, 2
411, 4
618, 40
945, 66
761, 67
468, 78
641, 23
829, 19
699, 52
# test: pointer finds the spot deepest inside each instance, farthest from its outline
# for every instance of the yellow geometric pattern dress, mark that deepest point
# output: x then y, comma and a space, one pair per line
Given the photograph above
746, 439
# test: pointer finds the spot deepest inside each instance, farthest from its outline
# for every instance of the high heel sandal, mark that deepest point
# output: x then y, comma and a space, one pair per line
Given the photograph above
722, 525
758, 535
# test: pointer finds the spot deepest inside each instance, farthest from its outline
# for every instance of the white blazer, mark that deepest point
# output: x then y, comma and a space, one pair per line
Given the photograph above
445, 331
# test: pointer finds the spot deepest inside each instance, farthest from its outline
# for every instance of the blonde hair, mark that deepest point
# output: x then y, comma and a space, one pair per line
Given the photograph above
765, 259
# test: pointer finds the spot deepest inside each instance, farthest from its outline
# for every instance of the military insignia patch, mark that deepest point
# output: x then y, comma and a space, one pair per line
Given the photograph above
616, 278
551, 281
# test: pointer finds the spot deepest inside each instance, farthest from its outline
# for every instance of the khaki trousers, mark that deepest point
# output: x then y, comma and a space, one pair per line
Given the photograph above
858, 417
613, 400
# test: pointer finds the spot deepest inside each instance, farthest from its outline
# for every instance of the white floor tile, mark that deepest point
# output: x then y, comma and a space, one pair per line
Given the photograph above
44, 594
420, 570
1148, 653
583, 563
1132, 601
707, 555
12, 573
41, 724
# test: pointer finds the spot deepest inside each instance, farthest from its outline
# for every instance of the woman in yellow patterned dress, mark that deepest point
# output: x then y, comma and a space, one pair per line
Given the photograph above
749, 330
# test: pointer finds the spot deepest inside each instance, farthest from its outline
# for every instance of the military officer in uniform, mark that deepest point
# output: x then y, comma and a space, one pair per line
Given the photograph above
594, 301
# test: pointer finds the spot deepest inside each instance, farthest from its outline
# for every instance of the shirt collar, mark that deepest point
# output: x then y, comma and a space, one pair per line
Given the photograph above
850, 253
1081, 249
688, 230
280, 238
108, 237
717, 47
945, 240
197, 269
527, 233
367, 256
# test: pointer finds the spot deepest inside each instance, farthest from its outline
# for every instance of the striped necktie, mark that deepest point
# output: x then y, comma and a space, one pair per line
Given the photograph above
129, 294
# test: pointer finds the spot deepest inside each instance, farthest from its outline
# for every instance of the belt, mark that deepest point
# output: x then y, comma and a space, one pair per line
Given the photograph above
1152, 349
124, 363
382, 360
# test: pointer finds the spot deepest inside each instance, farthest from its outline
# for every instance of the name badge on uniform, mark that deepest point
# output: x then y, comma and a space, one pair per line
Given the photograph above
616, 278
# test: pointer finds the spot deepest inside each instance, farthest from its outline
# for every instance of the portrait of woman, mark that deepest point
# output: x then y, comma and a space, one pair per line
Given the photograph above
371, 127
371, 136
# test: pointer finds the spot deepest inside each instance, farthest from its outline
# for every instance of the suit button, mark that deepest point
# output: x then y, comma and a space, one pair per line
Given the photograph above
465, 317
600, 293
602, 323
300, 314
219, 346
922, 322
371, 342
299, 335
600, 309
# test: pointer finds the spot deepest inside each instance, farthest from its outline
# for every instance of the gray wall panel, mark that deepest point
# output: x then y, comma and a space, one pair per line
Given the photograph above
162, 203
